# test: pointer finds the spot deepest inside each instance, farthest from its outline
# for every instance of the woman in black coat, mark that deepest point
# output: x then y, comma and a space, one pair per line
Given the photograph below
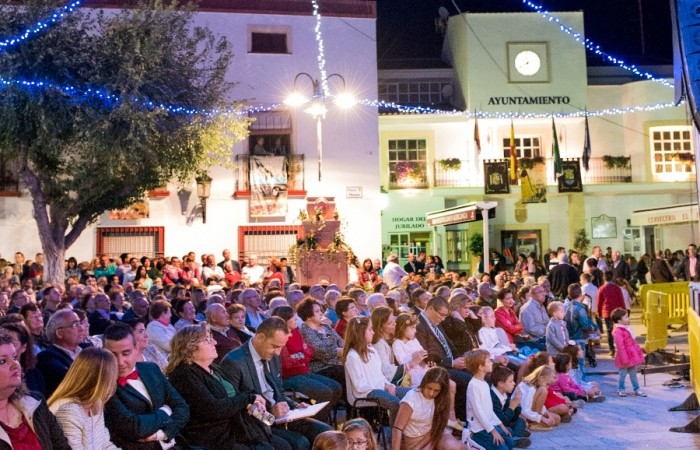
219, 419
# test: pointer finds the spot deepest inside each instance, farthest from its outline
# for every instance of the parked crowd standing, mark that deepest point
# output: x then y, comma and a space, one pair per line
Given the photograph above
196, 353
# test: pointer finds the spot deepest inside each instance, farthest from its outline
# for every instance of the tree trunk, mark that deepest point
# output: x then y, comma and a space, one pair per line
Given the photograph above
54, 264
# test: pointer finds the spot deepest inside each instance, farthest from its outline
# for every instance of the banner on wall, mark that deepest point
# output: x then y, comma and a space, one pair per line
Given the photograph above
570, 180
533, 182
138, 210
268, 186
496, 177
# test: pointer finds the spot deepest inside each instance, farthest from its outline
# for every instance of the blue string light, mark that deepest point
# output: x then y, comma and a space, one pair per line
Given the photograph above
591, 46
41, 25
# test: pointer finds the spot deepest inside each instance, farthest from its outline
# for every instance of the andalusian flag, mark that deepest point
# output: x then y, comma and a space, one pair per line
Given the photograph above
586, 146
558, 170
514, 173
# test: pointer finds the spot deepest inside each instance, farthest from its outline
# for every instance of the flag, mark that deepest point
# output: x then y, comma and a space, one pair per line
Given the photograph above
558, 169
586, 146
514, 173
477, 141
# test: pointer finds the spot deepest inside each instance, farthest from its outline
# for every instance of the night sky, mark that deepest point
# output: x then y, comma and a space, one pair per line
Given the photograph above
639, 31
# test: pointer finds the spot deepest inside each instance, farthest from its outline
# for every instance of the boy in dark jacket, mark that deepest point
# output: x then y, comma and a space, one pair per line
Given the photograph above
507, 406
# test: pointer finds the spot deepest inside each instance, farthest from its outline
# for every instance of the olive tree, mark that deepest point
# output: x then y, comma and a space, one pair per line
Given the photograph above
80, 153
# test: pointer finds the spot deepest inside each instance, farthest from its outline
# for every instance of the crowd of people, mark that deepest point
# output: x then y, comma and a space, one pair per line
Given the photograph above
136, 353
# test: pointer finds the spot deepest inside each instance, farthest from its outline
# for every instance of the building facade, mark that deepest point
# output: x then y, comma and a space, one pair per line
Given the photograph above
518, 63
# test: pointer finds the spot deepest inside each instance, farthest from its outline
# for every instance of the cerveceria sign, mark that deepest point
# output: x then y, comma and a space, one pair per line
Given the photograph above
540, 100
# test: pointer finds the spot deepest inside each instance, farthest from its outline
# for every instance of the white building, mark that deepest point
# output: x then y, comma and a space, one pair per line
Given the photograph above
519, 63
272, 42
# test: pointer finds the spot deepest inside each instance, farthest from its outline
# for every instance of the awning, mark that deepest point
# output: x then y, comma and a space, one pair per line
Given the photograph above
667, 215
459, 214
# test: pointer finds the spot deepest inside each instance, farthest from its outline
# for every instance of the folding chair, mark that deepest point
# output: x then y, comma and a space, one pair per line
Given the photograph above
377, 416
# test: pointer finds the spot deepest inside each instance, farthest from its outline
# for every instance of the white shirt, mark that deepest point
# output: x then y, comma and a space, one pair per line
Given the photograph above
265, 387
590, 290
528, 395
393, 273
491, 343
216, 271
254, 273
422, 417
361, 377
480, 413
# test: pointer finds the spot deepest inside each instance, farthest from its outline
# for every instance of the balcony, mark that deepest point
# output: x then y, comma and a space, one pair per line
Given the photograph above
467, 173
295, 176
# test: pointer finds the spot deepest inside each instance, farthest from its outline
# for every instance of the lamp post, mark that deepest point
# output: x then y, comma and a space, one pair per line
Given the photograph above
316, 106
203, 189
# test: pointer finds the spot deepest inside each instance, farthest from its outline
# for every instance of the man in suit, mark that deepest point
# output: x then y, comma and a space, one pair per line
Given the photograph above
620, 268
256, 367
660, 269
411, 266
64, 332
434, 340
100, 319
689, 269
146, 412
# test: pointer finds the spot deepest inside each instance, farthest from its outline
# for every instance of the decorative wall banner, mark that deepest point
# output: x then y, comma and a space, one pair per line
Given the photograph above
496, 179
138, 210
570, 181
268, 186
533, 181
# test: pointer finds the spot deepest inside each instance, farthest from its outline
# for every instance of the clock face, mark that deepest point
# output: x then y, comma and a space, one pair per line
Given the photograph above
527, 63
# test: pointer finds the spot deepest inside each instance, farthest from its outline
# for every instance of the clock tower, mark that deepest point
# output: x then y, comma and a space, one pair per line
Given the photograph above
518, 62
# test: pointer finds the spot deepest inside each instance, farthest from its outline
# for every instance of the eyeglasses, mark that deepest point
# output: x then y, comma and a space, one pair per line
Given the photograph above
357, 444
74, 325
209, 339
443, 314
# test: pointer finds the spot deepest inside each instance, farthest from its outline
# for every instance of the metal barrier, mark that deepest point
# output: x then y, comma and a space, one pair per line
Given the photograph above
656, 319
694, 337
678, 300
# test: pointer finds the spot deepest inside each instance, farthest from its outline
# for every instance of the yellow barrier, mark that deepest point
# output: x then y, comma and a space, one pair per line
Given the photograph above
656, 319
678, 300
694, 341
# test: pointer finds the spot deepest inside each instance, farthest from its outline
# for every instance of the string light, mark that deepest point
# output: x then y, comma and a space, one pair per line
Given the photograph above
321, 54
591, 46
41, 25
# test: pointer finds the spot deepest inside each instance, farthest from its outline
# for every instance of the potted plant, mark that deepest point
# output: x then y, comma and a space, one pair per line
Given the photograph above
450, 164
529, 163
409, 173
581, 241
613, 162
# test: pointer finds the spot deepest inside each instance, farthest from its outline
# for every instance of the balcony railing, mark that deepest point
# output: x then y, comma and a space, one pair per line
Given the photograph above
295, 174
470, 173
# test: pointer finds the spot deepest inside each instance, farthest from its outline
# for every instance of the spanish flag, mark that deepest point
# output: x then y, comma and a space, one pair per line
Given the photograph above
514, 173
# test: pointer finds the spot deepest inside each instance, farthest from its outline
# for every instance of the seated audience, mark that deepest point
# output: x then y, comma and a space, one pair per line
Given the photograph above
236, 318
462, 325
346, 309
331, 440
360, 434
506, 403
159, 329
146, 352
533, 390
22, 341
224, 336
327, 344
64, 331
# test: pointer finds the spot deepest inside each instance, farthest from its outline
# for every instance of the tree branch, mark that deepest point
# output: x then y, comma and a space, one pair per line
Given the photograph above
77, 228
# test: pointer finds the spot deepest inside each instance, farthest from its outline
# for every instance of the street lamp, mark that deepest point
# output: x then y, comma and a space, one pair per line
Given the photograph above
316, 106
203, 189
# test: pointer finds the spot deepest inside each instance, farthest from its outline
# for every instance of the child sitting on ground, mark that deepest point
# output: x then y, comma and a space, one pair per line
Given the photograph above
487, 429
556, 334
405, 345
506, 402
534, 392
566, 385
591, 387
555, 402
629, 355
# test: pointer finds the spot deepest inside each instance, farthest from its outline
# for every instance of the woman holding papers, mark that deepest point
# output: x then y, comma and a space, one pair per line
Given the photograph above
219, 416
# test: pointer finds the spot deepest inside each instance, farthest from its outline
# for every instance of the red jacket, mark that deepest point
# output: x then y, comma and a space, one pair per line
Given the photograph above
296, 355
506, 319
628, 353
609, 299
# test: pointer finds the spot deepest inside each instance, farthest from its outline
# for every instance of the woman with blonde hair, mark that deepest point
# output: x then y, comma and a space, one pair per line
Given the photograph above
78, 402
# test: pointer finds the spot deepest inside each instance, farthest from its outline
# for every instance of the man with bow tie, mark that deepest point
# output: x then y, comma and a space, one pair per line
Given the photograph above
146, 412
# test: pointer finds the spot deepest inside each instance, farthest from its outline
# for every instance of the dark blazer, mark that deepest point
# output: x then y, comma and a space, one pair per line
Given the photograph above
432, 345
243, 337
130, 417
684, 269
504, 413
239, 367
53, 363
225, 343
98, 323
218, 421
458, 334
560, 277
45, 425
622, 270
660, 272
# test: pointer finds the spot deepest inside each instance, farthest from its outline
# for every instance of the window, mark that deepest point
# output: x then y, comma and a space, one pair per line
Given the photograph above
270, 133
268, 42
266, 241
139, 241
457, 246
407, 163
525, 147
672, 152
418, 92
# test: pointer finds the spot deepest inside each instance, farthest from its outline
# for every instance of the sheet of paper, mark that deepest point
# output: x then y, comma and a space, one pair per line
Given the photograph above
302, 413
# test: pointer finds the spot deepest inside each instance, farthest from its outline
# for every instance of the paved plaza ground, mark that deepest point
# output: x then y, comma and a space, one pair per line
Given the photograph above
630, 422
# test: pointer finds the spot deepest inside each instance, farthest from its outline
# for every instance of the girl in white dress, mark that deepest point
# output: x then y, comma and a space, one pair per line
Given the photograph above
405, 345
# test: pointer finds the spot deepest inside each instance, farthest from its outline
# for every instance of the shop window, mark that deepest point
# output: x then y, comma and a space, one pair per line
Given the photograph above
525, 147
672, 152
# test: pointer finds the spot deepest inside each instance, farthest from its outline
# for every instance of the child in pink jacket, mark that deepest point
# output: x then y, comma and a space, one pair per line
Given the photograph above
629, 355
